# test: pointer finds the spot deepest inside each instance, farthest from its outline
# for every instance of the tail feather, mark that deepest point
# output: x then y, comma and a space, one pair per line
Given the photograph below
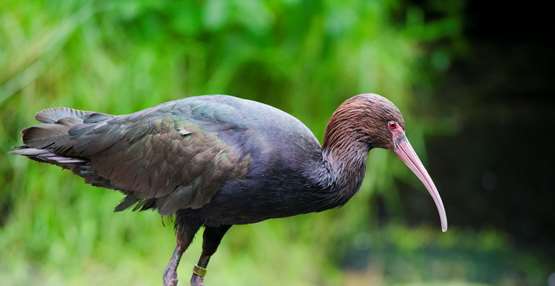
40, 136
47, 156
52, 135
53, 115
55, 126
51, 141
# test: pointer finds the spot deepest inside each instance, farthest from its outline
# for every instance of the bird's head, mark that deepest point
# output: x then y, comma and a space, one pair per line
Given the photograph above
373, 121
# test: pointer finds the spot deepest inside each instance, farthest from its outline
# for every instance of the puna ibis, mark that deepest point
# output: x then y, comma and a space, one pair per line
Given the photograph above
216, 161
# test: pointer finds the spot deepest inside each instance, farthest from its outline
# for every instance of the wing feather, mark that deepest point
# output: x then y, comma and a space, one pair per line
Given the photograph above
156, 159
162, 157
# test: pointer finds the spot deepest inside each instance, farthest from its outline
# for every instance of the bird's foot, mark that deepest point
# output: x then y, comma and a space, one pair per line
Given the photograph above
170, 277
197, 280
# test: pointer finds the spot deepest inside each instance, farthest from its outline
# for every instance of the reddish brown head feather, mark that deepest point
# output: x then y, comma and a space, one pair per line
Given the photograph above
362, 119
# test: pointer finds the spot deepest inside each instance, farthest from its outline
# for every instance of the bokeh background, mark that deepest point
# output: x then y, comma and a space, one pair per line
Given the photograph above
473, 79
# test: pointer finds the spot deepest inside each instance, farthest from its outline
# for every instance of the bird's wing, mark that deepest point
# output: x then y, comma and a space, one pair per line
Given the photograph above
164, 158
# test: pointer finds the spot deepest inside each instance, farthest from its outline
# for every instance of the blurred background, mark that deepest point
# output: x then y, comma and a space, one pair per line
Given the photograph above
473, 78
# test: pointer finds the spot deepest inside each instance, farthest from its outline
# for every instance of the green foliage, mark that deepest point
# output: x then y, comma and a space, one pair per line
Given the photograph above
305, 57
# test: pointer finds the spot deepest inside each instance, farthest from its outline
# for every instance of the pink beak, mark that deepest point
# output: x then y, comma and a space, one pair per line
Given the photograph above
406, 153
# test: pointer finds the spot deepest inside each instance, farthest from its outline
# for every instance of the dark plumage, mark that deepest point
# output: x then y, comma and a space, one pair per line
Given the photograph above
216, 161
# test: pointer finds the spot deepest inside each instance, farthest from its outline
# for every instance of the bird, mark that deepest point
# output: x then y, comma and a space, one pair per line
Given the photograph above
215, 161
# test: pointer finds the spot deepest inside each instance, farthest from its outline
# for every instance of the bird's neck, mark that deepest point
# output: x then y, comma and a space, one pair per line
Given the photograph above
344, 153
345, 166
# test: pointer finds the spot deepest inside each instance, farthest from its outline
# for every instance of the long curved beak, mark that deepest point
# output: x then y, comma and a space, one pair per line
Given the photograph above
406, 153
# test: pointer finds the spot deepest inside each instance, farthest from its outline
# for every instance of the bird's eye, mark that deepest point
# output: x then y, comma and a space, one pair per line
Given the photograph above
392, 125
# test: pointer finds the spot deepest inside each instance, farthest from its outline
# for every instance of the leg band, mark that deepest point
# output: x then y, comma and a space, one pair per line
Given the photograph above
199, 271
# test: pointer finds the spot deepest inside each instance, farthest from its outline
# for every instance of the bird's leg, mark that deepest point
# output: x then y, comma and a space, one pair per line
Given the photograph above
211, 239
184, 235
